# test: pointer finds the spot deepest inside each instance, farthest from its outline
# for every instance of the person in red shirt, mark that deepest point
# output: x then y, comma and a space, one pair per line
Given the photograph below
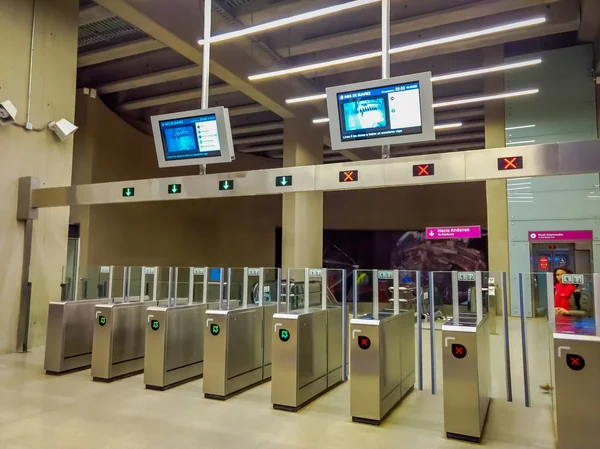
562, 292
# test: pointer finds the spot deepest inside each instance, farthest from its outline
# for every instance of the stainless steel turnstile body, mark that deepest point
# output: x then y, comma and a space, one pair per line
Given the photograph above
575, 369
119, 343
466, 377
382, 364
69, 335
237, 349
307, 360
174, 351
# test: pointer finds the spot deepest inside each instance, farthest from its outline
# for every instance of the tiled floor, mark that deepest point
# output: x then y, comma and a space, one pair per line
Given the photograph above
72, 411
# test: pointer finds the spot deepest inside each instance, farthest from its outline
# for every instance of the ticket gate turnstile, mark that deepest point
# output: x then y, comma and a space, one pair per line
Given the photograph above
174, 348
307, 356
382, 364
119, 340
237, 349
576, 394
466, 376
69, 335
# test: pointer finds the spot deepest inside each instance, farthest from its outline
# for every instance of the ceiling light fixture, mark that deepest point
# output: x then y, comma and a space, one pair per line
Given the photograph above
288, 21
482, 98
401, 49
450, 76
520, 142
484, 70
436, 127
510, 128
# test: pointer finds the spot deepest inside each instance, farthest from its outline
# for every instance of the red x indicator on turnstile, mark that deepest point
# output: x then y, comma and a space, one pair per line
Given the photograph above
459, 351
364, 342
510, 163
575, 362
349, 176
423, 170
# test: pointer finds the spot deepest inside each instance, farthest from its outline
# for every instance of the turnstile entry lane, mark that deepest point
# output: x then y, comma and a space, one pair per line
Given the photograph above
70, 331
174, 350
237, 337
575, 360
382, 346
466, 370
120, 329
309, 343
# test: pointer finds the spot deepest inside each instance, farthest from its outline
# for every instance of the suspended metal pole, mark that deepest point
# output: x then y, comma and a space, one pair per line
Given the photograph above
206, 61
385, 55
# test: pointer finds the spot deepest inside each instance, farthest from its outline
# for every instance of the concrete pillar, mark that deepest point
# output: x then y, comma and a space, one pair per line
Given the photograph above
35, 153
302, 221
497, 200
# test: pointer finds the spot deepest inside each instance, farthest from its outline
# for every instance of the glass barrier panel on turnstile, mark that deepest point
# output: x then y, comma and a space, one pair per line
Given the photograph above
271, 286
93, 282
118, 291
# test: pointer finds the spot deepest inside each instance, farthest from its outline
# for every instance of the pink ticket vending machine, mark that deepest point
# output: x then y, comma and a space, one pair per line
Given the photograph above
550, 250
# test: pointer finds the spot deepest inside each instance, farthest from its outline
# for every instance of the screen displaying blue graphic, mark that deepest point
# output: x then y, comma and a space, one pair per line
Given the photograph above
214, 275
380, 112
193, 137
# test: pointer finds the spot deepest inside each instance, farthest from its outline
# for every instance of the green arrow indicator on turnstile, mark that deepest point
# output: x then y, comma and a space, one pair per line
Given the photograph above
215, 329
155, 325
101, 320
284, 334
174, 188
226, 185
128, 192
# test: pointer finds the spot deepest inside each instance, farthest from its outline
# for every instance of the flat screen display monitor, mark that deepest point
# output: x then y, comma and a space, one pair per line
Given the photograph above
394, 111
193, 137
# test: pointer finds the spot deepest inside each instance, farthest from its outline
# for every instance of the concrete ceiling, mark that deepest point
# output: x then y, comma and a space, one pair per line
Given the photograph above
143, 58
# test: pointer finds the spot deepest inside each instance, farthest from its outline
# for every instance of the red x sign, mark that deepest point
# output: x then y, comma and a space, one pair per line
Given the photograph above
349, 176
459, 351
424, 170
510, 163
575, 362
364, 342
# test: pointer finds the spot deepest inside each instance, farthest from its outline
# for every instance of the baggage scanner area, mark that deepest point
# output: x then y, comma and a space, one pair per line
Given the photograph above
309, 344
382, 347
237, 337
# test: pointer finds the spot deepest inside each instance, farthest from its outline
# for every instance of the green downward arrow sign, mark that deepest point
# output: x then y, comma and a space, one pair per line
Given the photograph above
226, 185
283, 181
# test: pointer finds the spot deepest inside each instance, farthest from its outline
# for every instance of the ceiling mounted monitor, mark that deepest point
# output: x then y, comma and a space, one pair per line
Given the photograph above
198, 137
394, 111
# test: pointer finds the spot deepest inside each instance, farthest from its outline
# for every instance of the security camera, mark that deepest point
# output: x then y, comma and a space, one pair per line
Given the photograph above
63, 128
8, 113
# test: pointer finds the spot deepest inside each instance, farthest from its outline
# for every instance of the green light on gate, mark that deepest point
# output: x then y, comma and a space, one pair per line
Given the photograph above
155, 325
284, 335
128, 192
174, 188
226, 185
283, 181
215, 329
101, 320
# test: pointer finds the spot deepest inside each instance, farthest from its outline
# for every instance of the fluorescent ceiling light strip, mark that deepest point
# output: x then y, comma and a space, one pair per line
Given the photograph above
470, 35
430, 43
484, 70
305, 99
315, 66
485, 98
321, 120
448, 126
511, 128
289, 20
520, 142
450, 76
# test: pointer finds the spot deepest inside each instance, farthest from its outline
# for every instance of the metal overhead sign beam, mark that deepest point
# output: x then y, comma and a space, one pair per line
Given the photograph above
479, 165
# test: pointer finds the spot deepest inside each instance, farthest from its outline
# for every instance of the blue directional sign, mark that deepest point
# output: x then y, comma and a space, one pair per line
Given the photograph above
283, 181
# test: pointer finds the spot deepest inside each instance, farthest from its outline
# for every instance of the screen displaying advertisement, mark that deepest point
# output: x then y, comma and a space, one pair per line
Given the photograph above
380, 112
191, 137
